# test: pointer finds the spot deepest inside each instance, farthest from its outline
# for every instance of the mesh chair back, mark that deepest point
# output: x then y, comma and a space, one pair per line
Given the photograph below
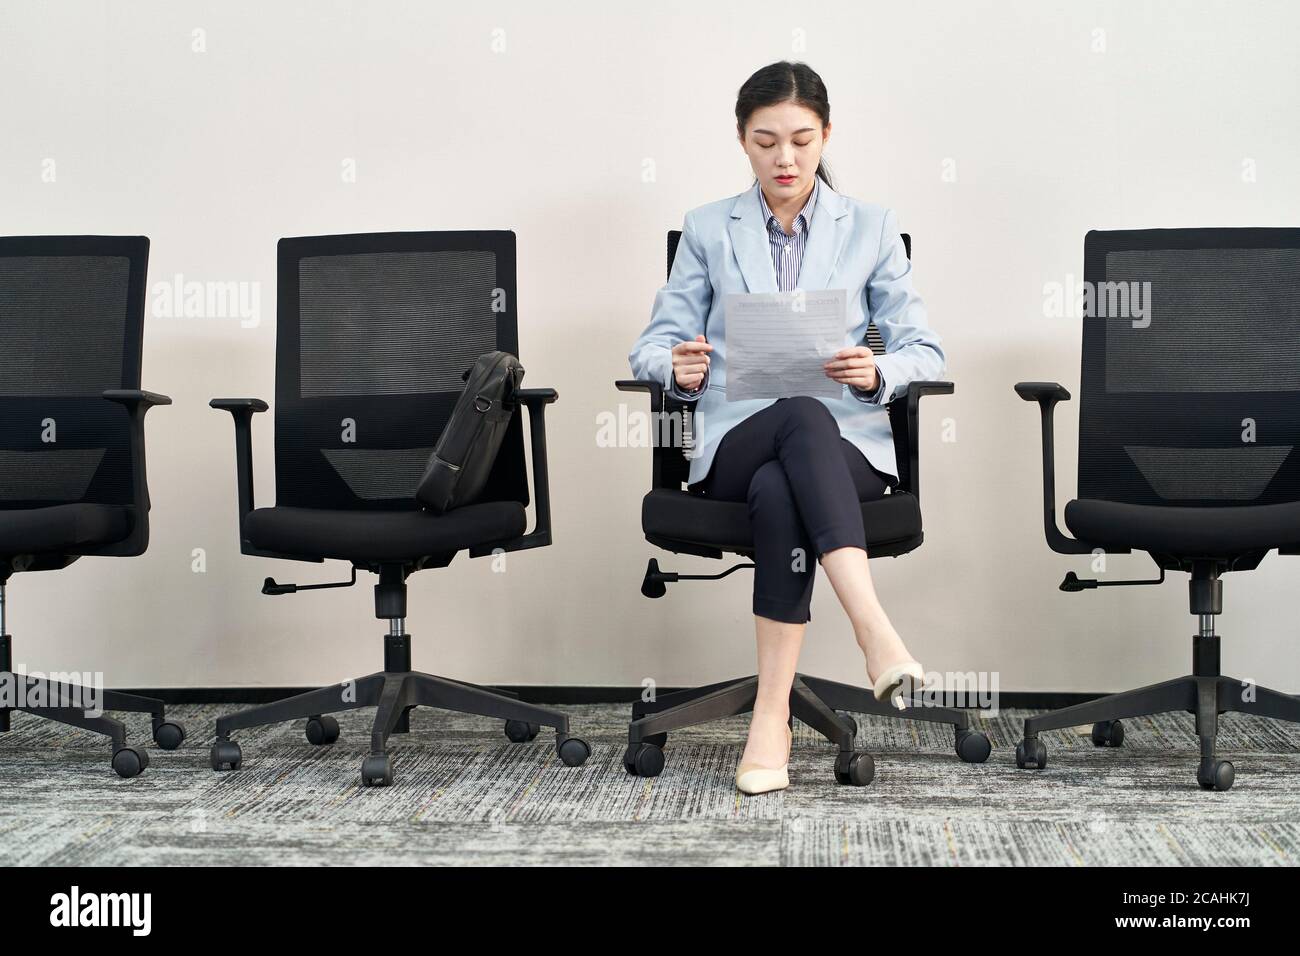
374, 332
1190, 388
71, 326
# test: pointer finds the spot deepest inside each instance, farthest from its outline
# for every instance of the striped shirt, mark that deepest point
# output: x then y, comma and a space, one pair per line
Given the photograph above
787, 250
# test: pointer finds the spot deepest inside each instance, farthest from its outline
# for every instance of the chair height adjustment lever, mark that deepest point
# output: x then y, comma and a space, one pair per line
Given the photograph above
271, 586
1073, 582
655, 584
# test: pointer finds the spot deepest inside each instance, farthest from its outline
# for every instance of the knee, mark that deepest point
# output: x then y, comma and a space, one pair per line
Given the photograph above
807, 412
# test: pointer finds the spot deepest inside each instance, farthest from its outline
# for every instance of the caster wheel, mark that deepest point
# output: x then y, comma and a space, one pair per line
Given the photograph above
520, 732
973, 746
376, 771
573, 752
850, 720
226, 754
1108, 733
856, 769
1031, 752
1216, 775
130, 762
168, 735
643, 760
322, 730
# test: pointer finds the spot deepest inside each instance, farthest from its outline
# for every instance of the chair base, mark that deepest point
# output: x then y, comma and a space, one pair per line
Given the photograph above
1205, 693
394, 694
127, 761
1205, 696
813, 700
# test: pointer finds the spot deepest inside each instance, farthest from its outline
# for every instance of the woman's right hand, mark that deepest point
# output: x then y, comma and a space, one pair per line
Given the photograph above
690, 362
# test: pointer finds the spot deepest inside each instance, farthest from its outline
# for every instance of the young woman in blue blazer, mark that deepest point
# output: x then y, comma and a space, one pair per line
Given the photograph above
803, 464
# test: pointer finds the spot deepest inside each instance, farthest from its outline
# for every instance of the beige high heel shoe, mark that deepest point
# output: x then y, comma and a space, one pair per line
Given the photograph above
753, 779
889, 682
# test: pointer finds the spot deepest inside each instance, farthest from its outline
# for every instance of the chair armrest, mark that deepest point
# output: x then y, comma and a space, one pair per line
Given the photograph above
531, 396
654, 389
137, 403
236, 405
1052, 392
1047, 394
661, 466
535, 400
136, 397
242, 411
905, 421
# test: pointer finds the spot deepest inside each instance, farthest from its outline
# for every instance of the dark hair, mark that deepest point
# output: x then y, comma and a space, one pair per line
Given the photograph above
780, 83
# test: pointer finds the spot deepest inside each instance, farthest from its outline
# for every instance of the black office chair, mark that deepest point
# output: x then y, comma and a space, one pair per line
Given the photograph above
374, 333
1188, 424
72, 475
684, 523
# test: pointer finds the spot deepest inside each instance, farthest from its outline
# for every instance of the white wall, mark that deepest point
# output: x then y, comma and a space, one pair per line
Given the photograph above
216, 155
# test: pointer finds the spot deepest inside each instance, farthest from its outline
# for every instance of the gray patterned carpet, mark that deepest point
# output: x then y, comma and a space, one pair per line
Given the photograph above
465, 795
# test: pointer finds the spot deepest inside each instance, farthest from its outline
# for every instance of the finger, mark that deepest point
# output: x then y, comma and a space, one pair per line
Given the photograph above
855, 362
684, 347
860, 351
852, 378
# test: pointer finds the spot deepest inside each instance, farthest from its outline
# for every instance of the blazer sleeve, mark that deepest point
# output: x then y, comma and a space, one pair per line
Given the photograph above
871, 398
912, 349
680, 310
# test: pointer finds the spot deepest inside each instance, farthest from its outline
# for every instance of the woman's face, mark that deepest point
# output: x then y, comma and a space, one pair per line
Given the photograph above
784, 144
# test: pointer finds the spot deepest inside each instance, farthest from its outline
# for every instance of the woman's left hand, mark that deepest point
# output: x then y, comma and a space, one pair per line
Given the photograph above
855, 366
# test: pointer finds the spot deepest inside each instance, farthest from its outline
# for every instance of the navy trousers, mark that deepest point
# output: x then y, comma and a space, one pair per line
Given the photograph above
804, 484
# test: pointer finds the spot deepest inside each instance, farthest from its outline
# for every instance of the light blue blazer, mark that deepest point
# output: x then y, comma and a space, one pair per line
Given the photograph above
851, 245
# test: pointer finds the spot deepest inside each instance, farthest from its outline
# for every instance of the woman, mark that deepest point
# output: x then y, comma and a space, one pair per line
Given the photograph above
803, 464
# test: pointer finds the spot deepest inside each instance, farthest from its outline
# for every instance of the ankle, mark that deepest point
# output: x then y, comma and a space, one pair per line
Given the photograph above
770, 715
884, 652
880, 639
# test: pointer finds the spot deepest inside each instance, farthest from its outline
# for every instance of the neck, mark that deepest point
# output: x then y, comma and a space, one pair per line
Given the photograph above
787, 207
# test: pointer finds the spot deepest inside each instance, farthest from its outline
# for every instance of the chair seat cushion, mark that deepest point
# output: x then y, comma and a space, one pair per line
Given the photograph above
382, 535
696, 519
1184, 531
61, 529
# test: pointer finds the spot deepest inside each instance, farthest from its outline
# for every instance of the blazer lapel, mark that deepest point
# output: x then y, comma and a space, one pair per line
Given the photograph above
826, 237
749, 239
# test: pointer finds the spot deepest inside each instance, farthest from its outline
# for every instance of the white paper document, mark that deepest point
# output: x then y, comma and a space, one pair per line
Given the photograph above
777, 343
